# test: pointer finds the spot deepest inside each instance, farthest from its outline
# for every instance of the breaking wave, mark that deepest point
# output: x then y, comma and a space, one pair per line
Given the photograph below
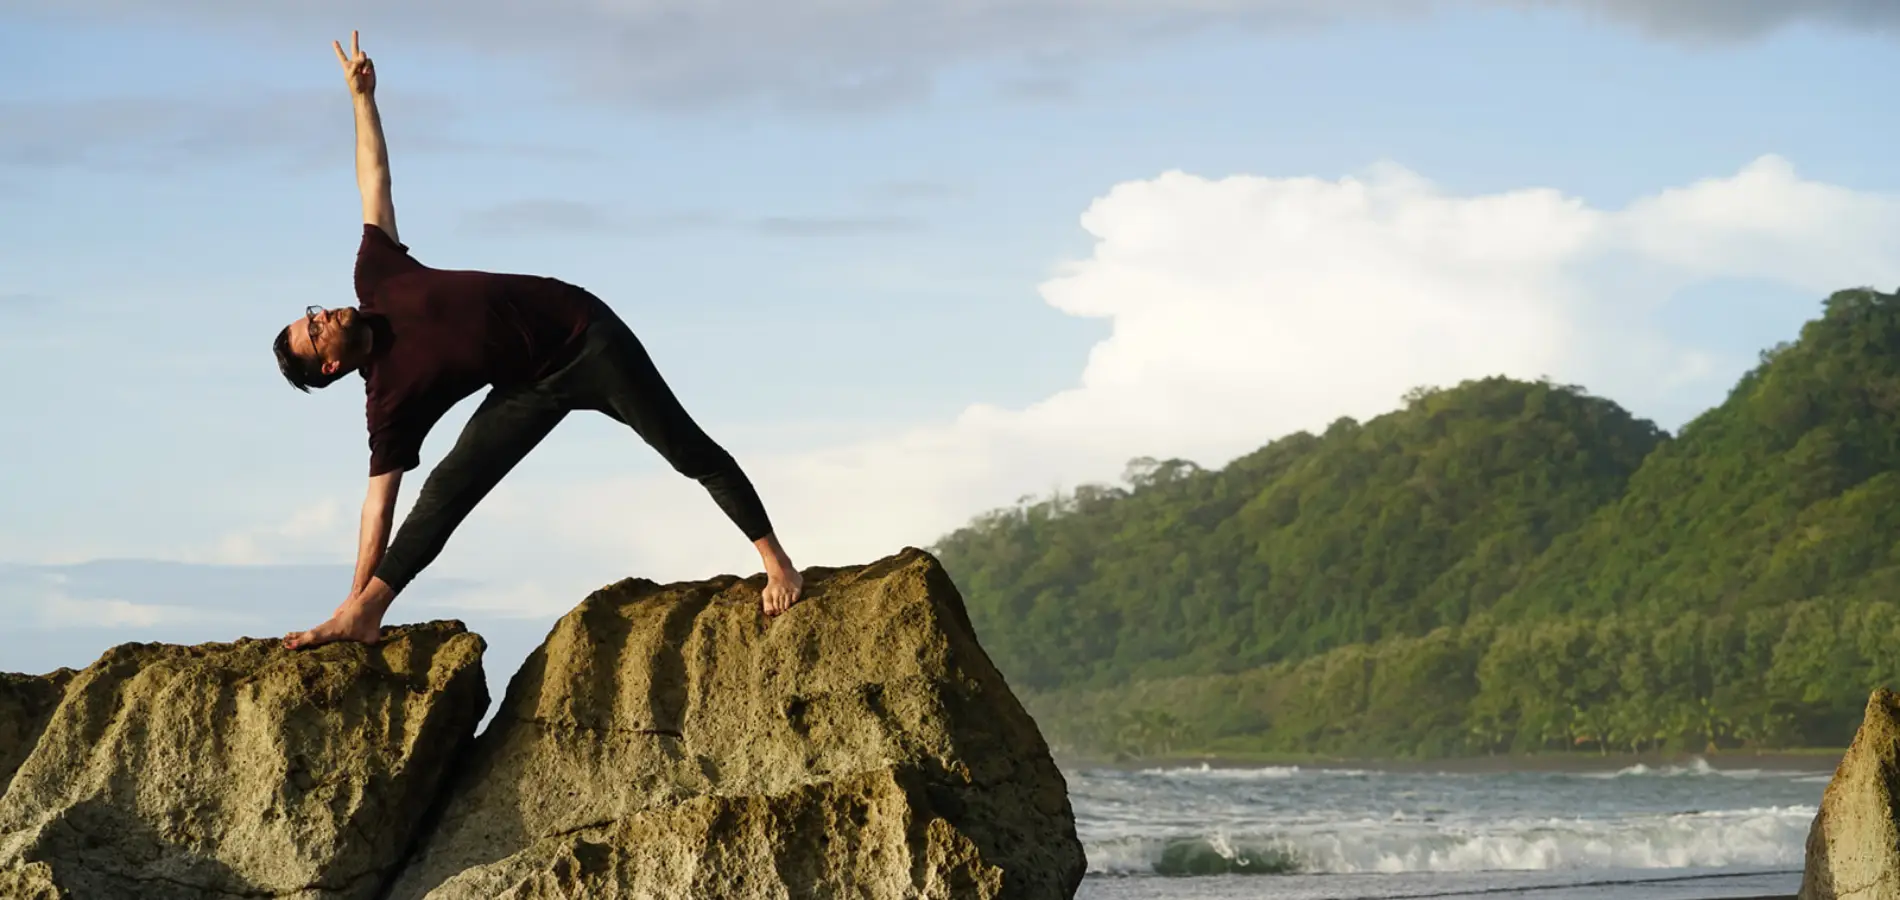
1700, 768
1770, 836
1259, 773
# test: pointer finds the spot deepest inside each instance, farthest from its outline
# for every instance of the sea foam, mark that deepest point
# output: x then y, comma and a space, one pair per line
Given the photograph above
1770, 836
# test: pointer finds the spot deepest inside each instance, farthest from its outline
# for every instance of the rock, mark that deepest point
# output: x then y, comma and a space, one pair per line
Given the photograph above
240, 769
33, 881
672, 741
1853, 846
663, 741
26, 702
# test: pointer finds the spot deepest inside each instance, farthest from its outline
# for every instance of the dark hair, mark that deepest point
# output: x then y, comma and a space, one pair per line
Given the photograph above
295, 371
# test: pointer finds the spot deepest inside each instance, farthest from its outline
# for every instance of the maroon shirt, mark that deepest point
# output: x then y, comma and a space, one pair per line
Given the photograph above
443, 334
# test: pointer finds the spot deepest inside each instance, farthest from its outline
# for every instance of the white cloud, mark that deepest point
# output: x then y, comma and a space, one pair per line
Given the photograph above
317, 531
60, 611
48, 601
1244, 308
1766, 222
1239, 309
529, 600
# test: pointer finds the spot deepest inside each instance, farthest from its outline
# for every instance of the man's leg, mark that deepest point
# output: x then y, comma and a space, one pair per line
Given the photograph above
625, 384
500, 433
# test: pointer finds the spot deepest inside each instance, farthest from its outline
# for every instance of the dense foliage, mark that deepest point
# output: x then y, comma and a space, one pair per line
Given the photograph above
1788, 676
1786, 491
1393, 527
1498, 566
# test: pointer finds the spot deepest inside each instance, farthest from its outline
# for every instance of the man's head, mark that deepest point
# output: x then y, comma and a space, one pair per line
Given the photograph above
322, 346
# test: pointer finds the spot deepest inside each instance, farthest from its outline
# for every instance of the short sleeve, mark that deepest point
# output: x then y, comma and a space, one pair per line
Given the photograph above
392, 450
397, 427
379, 257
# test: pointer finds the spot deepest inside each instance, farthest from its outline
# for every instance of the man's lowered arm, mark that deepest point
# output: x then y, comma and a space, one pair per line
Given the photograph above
379, 511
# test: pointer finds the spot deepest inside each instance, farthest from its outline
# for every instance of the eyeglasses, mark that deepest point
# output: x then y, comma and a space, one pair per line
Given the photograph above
310, 312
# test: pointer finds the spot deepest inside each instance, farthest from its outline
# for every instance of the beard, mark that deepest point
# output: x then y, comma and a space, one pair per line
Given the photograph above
356, 333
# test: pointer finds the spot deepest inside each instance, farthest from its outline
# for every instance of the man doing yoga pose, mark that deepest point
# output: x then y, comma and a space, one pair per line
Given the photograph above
425, 338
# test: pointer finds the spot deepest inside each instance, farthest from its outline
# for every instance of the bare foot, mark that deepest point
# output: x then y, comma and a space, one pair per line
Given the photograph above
351, 622
782, 588
783, 584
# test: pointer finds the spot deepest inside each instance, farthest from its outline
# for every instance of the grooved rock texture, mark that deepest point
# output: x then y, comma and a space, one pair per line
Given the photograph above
26, 702
1854, 845
239, 770
665, 741
671, 741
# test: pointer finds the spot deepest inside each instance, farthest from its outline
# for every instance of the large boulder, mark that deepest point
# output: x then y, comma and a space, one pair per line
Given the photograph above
1853, 850
672, 741
240, 770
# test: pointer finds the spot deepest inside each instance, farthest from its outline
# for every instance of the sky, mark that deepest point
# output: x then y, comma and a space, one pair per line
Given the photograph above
908, 262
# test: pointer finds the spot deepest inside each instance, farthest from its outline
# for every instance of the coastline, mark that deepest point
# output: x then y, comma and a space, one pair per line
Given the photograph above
1817, 760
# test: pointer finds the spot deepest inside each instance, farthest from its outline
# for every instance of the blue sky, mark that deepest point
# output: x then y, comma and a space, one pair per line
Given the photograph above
908, 263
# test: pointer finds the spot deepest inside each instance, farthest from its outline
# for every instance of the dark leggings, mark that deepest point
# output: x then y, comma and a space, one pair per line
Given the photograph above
611, 374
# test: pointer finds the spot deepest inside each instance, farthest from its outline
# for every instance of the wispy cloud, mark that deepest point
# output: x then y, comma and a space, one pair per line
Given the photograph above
581, 217
56, 610
520, 216
1040, 88
54, 598
14, 302
289, 130
914, 189
157, 134
513, 601
65, 615
834, 226
320, 526
858, 55
1730, 20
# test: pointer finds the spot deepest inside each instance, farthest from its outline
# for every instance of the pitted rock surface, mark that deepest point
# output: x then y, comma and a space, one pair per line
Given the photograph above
244, 769
664, 741
672, 741
26, 702
1853, 849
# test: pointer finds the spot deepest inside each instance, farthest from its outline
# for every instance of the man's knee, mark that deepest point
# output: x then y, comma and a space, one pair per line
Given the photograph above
699, 457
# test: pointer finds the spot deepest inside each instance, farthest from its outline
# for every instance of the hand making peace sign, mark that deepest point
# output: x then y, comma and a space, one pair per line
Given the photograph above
357, 68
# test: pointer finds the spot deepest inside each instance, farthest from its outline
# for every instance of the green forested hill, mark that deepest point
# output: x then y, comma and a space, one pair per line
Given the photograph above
1391, 527
1500, 565
1788, 490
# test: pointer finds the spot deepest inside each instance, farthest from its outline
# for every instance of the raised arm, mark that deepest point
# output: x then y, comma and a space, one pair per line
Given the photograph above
372, 154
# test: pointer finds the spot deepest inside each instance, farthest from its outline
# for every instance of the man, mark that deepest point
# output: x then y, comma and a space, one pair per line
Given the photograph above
425, 338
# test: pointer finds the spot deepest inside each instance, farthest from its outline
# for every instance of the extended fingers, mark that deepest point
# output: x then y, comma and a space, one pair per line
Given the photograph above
339, 53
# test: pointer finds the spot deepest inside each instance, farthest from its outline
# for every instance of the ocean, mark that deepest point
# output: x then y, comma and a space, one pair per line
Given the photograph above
1689, 831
